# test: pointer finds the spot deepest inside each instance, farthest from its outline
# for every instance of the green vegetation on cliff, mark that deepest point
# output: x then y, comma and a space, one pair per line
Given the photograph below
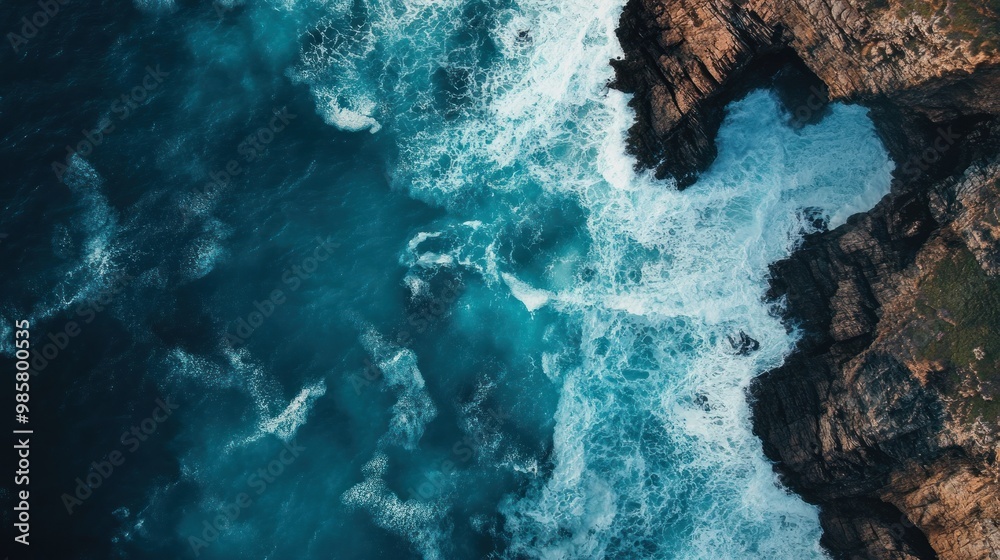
961, 306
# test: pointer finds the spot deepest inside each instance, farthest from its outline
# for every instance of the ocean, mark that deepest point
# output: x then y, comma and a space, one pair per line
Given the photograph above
378, 279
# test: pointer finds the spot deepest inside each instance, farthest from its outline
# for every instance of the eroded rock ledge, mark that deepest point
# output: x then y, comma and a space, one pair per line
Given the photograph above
887, 413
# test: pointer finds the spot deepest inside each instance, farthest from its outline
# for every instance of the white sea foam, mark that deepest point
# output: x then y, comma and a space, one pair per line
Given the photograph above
206, 250
352, 114
275, 415
285, 424
333, 65
414, 407
532, 298
419, 238
417, 286
411, 519
88, 242
415, 520
652, 455
459, 244
667, 354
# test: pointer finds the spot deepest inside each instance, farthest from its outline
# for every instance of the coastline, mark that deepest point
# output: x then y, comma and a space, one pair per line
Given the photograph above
884, 414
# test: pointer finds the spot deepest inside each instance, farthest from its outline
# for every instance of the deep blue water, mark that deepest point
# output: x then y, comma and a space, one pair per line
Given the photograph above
392, 266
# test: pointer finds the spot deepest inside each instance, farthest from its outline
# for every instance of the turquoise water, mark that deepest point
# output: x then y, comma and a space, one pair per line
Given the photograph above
518, 346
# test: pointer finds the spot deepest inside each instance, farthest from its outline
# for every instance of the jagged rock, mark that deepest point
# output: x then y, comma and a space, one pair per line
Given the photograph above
912, 61
892, 396
743, 344
886, 415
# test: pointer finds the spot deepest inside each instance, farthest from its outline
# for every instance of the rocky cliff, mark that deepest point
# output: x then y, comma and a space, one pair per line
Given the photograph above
916, 60
886, 415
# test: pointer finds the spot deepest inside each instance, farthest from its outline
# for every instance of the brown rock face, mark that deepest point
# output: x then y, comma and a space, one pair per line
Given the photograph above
685, 59
887, 413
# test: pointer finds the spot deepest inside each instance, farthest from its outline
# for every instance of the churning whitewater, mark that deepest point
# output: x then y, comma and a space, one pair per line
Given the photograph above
652, 454
520, 346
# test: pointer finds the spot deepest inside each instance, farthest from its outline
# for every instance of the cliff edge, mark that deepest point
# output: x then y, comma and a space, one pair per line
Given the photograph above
916, 62
886, 415
887, 412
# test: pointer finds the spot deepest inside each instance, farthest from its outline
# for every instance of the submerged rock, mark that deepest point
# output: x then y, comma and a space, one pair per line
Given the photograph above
743, 344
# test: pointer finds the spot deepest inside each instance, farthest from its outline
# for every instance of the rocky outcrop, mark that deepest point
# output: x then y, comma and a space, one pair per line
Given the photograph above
685, 59
887, 413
